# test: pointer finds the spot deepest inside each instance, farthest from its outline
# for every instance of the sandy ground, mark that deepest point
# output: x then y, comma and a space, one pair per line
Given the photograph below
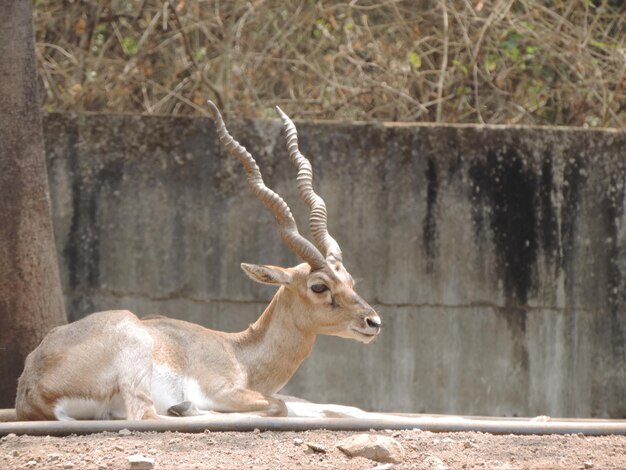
272, 450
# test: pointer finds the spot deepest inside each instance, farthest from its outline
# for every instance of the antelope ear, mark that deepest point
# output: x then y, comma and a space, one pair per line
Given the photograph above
272, 275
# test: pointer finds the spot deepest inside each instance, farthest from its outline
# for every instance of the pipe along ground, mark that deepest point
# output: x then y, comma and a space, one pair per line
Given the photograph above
247, 424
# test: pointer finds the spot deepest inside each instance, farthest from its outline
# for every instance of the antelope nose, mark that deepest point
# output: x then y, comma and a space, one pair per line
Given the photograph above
373, 323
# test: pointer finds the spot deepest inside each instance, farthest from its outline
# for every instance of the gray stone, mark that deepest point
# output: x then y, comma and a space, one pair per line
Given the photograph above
313, 448
541, 419
384, 466
140, 462
434, 462
373, 447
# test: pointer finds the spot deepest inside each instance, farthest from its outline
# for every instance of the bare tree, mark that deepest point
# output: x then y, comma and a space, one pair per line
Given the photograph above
31, 300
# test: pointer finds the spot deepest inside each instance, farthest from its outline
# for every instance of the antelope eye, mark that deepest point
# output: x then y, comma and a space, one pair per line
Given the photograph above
319, 288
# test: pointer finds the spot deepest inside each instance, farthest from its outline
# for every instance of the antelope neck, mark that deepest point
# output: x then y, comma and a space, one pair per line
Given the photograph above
272, 349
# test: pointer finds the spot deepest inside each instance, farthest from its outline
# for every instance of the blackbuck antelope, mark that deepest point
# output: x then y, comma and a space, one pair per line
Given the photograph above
113, 365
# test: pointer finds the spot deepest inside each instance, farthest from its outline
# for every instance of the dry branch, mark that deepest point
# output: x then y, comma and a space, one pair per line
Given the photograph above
492, 61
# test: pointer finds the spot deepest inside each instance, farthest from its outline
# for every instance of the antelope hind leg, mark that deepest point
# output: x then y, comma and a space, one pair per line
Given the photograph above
249, 401
134, 378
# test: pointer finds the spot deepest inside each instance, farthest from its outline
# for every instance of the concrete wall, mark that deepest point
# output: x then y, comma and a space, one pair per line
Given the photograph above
496, 256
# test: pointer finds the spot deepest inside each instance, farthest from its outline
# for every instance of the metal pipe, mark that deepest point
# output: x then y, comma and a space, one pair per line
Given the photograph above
246, 424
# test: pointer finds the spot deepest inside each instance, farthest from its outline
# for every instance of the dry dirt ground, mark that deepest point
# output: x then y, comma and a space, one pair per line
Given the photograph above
272, 450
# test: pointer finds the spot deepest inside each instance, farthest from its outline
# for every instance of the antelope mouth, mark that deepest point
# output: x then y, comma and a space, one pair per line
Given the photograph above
367, 337
363, 333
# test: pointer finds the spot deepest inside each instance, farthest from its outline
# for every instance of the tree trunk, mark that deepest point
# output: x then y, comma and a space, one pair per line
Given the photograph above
31, 300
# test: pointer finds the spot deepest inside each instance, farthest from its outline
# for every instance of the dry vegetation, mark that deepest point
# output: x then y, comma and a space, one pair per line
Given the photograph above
539, 62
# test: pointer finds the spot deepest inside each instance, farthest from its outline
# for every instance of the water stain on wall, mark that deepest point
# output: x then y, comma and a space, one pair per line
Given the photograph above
506, 189
430, 219
83, 243
548, 219
574, 179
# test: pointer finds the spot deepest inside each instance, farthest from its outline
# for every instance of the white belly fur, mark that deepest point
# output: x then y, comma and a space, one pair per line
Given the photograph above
170, 388
67, 409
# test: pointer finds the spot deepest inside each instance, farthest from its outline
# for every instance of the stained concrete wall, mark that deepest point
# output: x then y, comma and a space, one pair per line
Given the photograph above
496, 256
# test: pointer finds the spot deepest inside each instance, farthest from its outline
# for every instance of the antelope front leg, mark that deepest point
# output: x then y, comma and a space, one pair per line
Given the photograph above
235, 401
249, 401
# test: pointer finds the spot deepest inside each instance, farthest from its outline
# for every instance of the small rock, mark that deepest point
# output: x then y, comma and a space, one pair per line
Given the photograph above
298, 442
152, 451
540, 419
378, 448
469, 445
31, 463
68, 465
384, 466
256, 431
140, 462
313, 448
53, 457
434, 462
588, 465
581, 435
124, 432
15, 453
118, 448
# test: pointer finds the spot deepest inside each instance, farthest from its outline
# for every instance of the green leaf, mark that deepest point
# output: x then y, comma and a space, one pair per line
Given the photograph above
513, 53
511, 42
461, 66
200, 53
130, 45
603, 45
462, 90
593, 121
491, 63
415, 60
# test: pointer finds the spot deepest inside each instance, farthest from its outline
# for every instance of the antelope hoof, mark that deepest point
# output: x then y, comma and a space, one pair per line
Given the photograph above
277, 409
183, 409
